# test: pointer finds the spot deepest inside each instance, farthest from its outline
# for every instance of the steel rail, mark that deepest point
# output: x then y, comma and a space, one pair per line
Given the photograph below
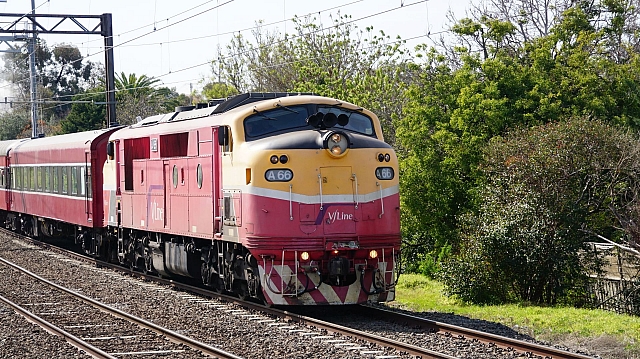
500, 341
442, 328
329, 327
70, 338
174, 336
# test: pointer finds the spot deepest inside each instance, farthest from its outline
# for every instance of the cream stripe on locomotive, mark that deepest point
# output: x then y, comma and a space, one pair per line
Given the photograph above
301, 198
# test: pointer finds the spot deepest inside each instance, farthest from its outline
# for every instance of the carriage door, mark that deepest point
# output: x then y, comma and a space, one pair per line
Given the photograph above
167, 176
86, 187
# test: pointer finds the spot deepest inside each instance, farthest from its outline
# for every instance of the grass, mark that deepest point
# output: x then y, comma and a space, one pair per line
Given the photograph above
608, 334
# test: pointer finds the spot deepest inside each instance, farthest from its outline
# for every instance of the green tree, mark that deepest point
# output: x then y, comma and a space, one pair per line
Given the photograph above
15, 124
138, 97
548, 190
457, 107
214, 90
341, 61
85, 116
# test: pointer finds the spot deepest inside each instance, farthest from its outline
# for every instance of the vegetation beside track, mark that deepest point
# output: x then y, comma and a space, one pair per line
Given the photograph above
608, 334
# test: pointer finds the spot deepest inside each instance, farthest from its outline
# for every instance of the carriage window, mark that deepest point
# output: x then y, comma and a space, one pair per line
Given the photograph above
47, 179
2, 177
55, 180
89, 184
39, 178
83, 180
74, 180
17, 178
65, 179
32, 178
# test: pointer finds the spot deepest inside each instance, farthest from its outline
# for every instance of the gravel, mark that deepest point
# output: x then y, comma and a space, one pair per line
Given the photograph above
227, 326
22, 339
244, 332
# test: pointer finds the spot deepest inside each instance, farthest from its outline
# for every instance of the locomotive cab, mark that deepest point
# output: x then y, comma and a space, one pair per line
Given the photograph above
314, 209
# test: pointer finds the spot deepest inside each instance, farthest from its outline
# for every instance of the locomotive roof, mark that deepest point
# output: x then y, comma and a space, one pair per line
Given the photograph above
176, 121
216, 107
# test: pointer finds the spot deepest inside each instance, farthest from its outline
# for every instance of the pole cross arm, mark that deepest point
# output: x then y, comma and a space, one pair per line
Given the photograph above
85, 24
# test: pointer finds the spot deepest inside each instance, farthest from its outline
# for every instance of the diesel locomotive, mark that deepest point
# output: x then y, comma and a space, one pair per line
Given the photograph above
291, 199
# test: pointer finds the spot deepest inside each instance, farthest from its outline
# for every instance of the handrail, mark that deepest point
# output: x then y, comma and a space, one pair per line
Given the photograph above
320, 182
290, 202
381, 200
355, 178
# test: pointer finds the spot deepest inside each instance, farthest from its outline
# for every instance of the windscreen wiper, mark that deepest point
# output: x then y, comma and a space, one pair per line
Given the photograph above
263, 115
339, 104
286, 108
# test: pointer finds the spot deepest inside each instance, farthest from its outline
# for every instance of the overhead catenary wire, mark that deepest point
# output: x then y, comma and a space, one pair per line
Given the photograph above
293, 37
200, 37
282, 64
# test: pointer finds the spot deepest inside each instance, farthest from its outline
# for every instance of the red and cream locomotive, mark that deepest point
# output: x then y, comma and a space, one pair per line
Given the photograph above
291, 199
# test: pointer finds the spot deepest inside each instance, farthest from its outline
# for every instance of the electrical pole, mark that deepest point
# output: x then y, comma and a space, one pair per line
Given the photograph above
85, 25
107, 33
32, 73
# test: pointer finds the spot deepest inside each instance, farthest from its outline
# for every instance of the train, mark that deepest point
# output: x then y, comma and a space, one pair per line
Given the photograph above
285, 198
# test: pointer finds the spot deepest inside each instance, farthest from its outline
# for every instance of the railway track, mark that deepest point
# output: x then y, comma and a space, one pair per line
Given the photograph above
527, 348
318, 329
83, 321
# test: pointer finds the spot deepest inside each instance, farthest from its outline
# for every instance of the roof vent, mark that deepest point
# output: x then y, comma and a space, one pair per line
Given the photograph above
184, 108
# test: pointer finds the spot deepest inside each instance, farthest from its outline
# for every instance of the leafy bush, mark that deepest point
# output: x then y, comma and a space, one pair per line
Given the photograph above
548, 190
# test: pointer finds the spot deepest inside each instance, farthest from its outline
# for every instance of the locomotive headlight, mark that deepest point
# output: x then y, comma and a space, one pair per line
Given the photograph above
336, 143
274, 159
304, 256
373, 254
380, 157
387, 158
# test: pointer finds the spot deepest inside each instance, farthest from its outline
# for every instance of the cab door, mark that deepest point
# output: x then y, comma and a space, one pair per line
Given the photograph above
167, 179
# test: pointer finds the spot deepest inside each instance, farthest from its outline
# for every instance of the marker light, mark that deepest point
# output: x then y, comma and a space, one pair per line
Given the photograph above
380, 157
373, 254
284, 159
387, 158
274, 159
304, 256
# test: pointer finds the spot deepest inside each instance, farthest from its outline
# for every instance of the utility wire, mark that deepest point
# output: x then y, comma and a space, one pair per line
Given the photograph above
296, 36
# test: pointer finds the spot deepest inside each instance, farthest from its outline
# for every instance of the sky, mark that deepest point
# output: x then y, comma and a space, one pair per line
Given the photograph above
174, 40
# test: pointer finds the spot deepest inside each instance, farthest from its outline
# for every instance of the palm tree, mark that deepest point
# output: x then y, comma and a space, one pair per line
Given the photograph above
137, 87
